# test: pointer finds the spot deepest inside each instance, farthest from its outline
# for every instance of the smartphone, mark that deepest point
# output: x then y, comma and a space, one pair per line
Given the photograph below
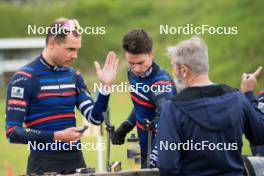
85, 127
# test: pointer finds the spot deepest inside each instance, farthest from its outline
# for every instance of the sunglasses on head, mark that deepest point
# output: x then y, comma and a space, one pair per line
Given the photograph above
68, 26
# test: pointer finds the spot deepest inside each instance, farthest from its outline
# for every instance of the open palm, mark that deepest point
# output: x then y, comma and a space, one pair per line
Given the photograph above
107, 74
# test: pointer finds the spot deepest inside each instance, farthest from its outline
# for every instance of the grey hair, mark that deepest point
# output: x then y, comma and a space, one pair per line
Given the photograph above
192, 52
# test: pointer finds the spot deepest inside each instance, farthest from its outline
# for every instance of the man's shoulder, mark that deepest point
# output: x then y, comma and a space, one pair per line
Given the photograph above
74, 71
162, 71
25, 73
23, 77
29, 69
161, 74
76, 74
210, 91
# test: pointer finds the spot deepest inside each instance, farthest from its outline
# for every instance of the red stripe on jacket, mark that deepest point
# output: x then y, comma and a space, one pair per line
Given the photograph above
24, 73
10, 129
50, 118
141, 126
163, 82
64, 94
142, 102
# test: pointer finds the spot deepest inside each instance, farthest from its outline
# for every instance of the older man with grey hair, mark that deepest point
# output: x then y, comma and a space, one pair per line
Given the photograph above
200, 130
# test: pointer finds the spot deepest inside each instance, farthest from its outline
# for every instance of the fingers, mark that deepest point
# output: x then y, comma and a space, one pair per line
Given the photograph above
76, 135
97, 66
252, 75
71, 128
116, 64
112, 57
71, 135
109, 58
257, 72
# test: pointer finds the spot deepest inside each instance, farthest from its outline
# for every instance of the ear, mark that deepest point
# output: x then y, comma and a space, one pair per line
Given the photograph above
52, 43
152, 54
184, 70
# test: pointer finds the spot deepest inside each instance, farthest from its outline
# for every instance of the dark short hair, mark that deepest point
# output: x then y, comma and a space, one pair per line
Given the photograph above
137, 41
59, 36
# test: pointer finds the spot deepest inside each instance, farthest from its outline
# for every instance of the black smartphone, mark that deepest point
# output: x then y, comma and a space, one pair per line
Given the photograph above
85, 127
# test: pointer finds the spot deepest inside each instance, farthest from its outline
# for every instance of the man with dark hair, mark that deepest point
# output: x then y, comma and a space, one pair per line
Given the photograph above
43, 94
137, 42
200, 130
143, 72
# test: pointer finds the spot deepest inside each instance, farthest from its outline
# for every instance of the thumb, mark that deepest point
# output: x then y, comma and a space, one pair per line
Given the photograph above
244, 76
97, 66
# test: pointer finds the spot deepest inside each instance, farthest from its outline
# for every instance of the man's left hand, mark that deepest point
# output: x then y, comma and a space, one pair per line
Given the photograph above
249, 81
107, 74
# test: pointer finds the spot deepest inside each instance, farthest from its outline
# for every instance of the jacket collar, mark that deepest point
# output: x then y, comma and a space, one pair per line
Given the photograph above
51, 67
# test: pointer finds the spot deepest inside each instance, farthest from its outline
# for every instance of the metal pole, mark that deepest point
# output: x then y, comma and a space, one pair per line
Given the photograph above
109, 128
148, 128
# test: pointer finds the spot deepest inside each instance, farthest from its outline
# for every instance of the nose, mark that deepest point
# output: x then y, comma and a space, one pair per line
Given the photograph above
136, 68
74, 55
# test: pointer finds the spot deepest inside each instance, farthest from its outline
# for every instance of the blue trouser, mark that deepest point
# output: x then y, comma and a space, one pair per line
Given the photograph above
143, 142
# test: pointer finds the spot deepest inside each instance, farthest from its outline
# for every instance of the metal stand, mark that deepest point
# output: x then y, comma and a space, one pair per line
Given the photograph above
109, 129
149, 129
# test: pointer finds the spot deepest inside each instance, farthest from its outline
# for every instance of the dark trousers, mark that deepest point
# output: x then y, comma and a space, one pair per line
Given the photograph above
143, 142
59, 162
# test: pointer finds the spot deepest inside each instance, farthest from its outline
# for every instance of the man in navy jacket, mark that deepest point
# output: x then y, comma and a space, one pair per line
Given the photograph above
143, 73
202, 133
41, 98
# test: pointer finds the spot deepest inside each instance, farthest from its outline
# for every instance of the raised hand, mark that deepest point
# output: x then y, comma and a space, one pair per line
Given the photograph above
107, 75
249, 81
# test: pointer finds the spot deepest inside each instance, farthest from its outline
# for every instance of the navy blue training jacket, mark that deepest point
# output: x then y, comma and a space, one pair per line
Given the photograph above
41, 99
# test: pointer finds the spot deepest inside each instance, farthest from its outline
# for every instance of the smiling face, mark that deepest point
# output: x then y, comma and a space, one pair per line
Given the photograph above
139, 63
64, 53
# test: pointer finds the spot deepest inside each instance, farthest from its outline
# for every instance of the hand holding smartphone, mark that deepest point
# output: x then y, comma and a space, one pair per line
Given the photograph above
83, 129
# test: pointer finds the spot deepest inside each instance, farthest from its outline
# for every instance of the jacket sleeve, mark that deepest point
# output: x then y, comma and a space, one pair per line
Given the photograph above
90, 109
163, 88
254, 122
17, 104
132, 118
168, 158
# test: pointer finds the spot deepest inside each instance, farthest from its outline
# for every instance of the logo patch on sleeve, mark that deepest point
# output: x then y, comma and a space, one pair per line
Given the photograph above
261, 106
17, 102
17, 92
